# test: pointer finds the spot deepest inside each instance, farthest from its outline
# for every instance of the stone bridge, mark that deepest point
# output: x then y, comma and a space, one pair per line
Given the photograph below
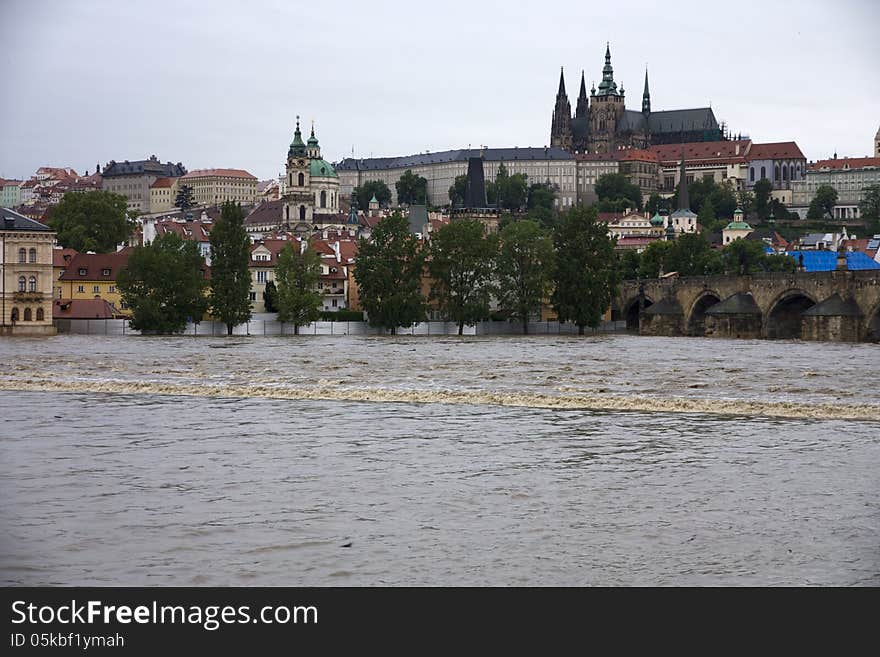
837, 305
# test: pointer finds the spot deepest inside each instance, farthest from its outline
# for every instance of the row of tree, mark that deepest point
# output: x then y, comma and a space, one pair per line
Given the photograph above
525, 265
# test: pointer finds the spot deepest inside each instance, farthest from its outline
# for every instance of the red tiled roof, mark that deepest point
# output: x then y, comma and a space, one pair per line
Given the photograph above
188, 230
639, 155
226, 173
614, 156
610, 217
267, 212
162, 182
719, 152
94, 265
846, 162
62, 257
82, 309
780, 150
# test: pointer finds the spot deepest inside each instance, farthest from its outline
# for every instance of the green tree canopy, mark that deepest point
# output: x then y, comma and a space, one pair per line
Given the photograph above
297, 273
742, 257
616, 193
654, 258
458, 190
509, 192
388, 273
746, 202
270, 297
869, 208
628, 264
586, 268
371, 188
823, 203
706, 218
524, 272
230, 274
690, 255
185, 198
762, 191
164, 285
91, 221
462, 262
411, 189
656, 203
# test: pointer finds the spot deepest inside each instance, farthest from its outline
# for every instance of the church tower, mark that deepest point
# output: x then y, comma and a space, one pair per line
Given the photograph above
583, 105
560, 128
646, 98
606, 110
298, 203
877, 143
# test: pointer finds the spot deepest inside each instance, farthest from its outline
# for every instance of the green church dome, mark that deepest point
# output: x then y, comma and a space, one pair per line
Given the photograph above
657, 220
319, 168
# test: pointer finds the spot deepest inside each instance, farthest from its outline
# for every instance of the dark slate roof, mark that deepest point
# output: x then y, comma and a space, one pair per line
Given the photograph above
742, 303
666, 306
461, 155
267, 212
151, 166
701, 118
580, 128
11, 220
834, 306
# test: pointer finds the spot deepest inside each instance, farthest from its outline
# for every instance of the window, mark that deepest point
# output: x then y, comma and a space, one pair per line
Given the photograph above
261, 277
14, 316
301, 179
32, 284
32, 255
81, 288
112, 289
334, 303
40, 315
323, 199
27, 314
287, 213
22, 284
253, 296
105, 272
302, 213
784, 172
22, 256
96, 288
763, 172
82, 271
776, 172
752, 174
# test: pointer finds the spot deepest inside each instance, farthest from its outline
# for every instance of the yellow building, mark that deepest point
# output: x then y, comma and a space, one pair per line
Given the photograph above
93, 276
215, 186
163, 193
25, 275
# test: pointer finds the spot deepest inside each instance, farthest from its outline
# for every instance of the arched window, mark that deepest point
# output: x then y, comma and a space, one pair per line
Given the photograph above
22, 284
784, 172
323, 199
763, 172
32, 255
302, 213
290, 179
22, 255
776, 172
752, 174
287, 213
27, 314
32, 284
302, 180
14, 316
40, 315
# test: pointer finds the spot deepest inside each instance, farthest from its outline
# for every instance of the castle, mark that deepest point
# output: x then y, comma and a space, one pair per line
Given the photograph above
602, 124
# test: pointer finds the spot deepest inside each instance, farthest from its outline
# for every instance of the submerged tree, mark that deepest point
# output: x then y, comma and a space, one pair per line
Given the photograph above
230, 274
297, 272
525, 269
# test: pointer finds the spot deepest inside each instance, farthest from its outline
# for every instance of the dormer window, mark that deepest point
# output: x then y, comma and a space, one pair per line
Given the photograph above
105, 272
82, 271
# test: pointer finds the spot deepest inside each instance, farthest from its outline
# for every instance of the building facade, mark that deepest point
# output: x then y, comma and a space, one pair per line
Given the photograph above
602, 124
311, 185
93, 276
163, 194
133, 179
26, 276
216, 186
11, 193
540, 165
850, 176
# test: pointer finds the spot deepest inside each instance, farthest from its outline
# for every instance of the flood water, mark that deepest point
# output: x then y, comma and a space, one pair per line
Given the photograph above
611, 460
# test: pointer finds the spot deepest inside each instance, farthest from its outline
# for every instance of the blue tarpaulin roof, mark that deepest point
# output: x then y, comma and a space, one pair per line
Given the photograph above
827, 260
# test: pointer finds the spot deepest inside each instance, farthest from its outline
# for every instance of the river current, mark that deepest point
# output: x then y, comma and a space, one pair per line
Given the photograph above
607, 460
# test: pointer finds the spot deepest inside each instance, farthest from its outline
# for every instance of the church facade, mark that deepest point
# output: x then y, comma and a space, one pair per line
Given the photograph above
602, 124
311, 185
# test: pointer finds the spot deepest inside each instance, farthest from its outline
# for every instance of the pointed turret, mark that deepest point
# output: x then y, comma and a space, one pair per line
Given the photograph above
297, 147
607, 87
583, 104
560, 127
646, 96
561, 91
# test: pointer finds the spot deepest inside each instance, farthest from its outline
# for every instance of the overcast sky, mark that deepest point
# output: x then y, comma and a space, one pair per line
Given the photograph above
219, 84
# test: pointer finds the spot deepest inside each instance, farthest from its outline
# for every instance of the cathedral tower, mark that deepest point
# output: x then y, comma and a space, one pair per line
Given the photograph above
298, 203
560, 129
606, 110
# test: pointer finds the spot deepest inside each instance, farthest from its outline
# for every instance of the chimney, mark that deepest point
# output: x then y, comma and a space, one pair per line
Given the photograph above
736, 151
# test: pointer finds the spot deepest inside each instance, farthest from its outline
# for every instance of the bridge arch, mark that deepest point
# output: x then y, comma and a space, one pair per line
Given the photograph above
630, 312
696, 317
782, 319
872, 324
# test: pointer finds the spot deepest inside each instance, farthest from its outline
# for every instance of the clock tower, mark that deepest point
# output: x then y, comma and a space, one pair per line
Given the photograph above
298, 201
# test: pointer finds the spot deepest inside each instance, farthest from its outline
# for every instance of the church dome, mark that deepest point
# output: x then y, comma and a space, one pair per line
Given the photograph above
319, 168
657, 220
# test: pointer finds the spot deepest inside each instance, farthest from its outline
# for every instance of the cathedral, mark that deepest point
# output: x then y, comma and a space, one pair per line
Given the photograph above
602, 124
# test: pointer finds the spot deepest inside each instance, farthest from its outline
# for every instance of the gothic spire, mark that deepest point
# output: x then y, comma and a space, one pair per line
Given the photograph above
561, 91
583, 93
684, 202
583, 105
646, 96
608, 87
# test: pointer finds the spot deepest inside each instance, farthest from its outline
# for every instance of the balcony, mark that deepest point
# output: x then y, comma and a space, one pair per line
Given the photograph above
28, 297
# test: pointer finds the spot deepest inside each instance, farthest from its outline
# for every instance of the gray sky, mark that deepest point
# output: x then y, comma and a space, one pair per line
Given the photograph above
218, 84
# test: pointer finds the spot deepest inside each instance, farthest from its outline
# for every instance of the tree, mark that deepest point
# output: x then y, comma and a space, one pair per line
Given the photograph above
411, 189
524, 269
616, 193
656, 203
628, 264
586, 268
270, 297
823, 203
743, 257
297, 272
91, 221
509, 192
689, 255
870, 208
778, 210
185, 198
706, 217
164, 285
388, 273
368, 190
458, 190
762, 198
746, 202
461, 262
230, 275
654, 259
